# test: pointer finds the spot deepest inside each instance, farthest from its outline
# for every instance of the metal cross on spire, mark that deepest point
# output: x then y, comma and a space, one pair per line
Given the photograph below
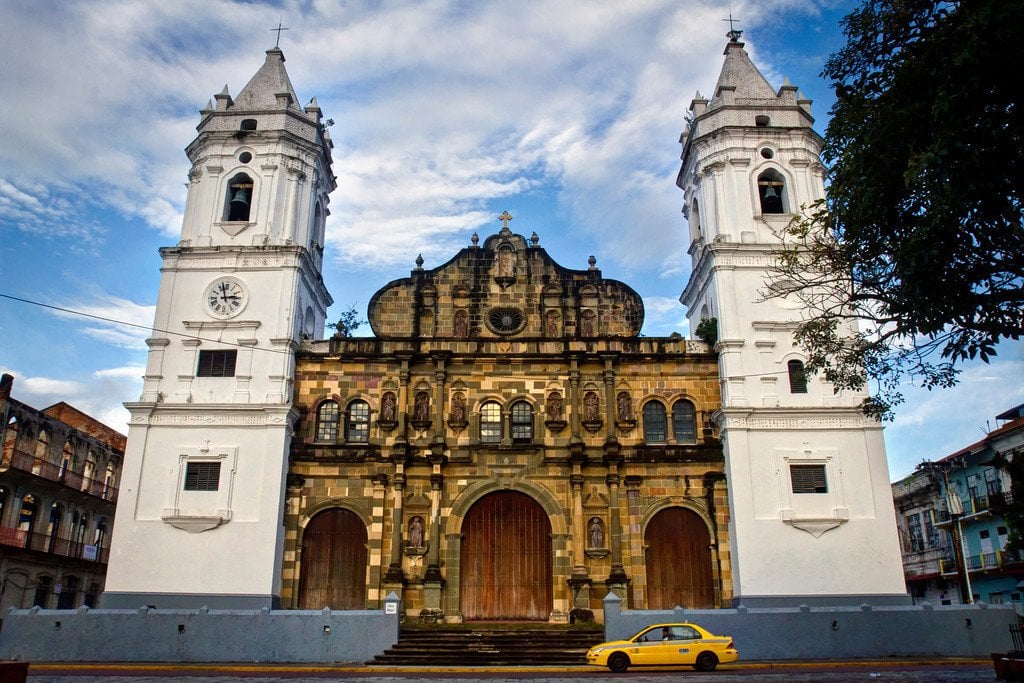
279, 28
734, 33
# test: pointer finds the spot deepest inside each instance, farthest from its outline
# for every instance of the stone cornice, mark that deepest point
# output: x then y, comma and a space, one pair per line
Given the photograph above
719, 255
781, 419
229, 258
211, 414
526, 349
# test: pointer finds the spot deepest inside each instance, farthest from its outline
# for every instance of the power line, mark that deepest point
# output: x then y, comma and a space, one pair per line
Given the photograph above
227, 343
114, 321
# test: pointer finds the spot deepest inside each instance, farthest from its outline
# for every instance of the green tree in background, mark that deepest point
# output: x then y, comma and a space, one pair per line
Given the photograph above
914, 263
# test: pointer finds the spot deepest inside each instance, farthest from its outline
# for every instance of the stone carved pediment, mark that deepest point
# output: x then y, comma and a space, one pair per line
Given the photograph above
448, 301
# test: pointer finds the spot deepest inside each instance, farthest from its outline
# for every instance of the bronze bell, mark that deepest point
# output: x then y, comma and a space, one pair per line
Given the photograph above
241, 196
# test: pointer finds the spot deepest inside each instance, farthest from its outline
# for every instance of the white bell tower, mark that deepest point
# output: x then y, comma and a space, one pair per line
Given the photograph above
812, 518
199, 519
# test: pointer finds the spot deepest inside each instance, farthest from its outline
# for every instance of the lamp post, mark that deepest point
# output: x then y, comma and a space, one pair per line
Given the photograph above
956, 512
955, 506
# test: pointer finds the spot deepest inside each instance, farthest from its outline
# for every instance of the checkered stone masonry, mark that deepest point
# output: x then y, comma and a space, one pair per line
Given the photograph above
485, 366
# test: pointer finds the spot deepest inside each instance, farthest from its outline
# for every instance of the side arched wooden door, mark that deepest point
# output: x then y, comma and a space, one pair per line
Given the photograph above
505, 568
678, 559
333, 562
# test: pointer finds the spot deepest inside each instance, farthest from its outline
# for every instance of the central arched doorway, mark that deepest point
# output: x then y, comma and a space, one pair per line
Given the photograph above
505, 566
678, 558
333, 570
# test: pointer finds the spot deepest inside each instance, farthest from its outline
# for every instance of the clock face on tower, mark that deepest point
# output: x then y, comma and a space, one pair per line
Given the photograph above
225, 297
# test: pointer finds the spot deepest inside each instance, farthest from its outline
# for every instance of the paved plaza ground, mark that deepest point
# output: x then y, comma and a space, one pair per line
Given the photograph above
836, 672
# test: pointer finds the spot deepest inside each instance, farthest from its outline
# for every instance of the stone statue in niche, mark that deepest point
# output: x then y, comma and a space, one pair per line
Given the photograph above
553, 407
625, 406
416, 532
591, 407
461, 324
387, 408
587, 328
551, 324
422, 411
506, 263
596, 533
458, 412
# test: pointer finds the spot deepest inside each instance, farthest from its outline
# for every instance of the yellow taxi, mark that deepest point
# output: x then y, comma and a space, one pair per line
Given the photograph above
666, 645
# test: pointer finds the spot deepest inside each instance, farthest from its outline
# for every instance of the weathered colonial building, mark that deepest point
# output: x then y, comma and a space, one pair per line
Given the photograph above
506, 447
59, 476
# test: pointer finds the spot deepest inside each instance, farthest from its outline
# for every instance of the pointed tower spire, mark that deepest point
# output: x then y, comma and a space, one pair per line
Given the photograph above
740, 77
270, 88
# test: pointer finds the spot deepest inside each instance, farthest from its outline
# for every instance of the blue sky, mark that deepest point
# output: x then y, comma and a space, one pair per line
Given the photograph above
566, 114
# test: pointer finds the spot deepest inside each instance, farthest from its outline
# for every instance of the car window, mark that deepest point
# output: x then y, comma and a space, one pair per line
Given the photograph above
685, 633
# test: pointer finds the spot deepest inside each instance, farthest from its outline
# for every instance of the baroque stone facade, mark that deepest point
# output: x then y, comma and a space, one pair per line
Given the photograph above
507, 435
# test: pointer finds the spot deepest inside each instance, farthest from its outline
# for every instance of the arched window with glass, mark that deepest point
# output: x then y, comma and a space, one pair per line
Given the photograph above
522, 422
655, 423
327, 422
490, 422
357, 422
684, 422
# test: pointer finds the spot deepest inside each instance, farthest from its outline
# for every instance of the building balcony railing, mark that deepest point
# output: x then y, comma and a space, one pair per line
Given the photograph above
976, 505
981, 561
54, 545
26, 462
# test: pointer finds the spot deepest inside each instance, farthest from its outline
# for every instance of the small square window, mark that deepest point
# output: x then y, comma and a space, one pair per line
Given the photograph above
217, 363
808, 478
202, 476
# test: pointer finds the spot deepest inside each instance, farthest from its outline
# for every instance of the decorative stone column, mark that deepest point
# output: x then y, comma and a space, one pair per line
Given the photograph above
617, 581
579, 582
440, 378
575, 400
403, 399
293, 507
610, 404
393, 576
433, 582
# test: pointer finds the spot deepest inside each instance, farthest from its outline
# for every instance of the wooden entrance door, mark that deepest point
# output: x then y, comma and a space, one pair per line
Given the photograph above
333, 562
506, 559
678, 560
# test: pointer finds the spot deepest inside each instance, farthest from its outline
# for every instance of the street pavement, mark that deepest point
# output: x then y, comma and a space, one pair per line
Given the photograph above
836, 672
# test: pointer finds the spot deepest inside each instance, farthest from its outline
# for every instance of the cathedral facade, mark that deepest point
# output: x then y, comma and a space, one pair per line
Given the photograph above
506, 445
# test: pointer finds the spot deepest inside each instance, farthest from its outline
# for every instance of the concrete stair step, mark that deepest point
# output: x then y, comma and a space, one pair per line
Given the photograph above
491, 646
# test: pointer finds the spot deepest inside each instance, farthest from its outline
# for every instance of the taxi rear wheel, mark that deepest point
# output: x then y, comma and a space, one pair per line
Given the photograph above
618, 662
706, 661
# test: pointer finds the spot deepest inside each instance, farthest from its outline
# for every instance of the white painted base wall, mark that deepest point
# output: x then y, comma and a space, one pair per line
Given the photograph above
839, 543
224, 542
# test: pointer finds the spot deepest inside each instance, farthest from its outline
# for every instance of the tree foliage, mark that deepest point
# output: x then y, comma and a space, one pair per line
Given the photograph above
915, 260
348, 322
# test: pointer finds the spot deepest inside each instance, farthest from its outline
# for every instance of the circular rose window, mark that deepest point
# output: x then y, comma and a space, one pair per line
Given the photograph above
505, 320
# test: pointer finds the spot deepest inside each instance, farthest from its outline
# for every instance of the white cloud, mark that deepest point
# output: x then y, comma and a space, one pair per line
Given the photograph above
132, 372
99, 395
933, 424
103, 316
664, 315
